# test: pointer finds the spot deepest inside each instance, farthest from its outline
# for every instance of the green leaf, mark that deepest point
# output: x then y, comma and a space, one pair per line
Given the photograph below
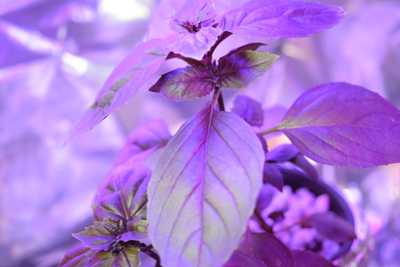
127, 257
101, 235
238, 69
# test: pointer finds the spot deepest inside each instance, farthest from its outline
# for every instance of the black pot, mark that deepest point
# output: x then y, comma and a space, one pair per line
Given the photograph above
297, 179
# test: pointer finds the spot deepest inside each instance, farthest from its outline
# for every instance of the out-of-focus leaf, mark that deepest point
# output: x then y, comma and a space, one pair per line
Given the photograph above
77, 256
272, 175
309, 259
123, 83
344, 125
239, 259
248, 109
185, 83
102, 234
285, 152
266, 248
264, 197
124, 194
143, 140
332, 227
203, 190
281, 18
127, 257
238, 70
288, 152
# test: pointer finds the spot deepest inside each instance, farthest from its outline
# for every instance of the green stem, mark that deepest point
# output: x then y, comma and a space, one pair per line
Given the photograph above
273, 130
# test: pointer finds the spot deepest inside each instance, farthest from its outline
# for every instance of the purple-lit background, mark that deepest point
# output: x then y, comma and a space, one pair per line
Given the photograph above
55, 56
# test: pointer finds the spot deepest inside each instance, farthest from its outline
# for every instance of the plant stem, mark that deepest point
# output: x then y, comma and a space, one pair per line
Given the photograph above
273, 130
221, 102
148, 250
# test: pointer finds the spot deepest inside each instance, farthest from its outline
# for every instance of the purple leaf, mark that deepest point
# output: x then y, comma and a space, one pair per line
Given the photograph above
344, 125
195, 45
76, 257
102, 234
265, 197
285, 152
332, 227
272, 175
281, 18
123, 83
251, 46
136, 230
239, 259
124, 194
203, 190
249, 110
194, 23
289, 152
266, 248
143, 140
127, 257
185, 83
309, 259
240, 69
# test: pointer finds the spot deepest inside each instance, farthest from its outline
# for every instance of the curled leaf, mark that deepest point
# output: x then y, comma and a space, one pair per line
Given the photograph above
249, 110
281, 18
123, 83
203, 190
344, 125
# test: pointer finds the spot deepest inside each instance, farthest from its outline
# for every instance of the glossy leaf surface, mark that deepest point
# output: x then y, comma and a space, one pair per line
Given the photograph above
332, 227
124, 194
344, 125
281, 18
309, 259
203, 190
266, 248
238, 70
76, 257
123, 83
185, 83
249, 110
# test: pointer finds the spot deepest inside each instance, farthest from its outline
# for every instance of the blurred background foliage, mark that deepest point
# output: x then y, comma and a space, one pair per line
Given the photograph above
55, 56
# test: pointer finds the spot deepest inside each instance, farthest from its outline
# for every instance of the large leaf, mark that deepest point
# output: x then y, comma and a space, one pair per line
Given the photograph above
344, 125
124, 194
266, 248
185, 83
77, 256
281, 18
123, 83
203, 190
238, 70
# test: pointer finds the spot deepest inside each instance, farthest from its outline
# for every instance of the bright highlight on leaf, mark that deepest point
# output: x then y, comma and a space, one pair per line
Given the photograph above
203, 190
123, 83
281, 18
344, 125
